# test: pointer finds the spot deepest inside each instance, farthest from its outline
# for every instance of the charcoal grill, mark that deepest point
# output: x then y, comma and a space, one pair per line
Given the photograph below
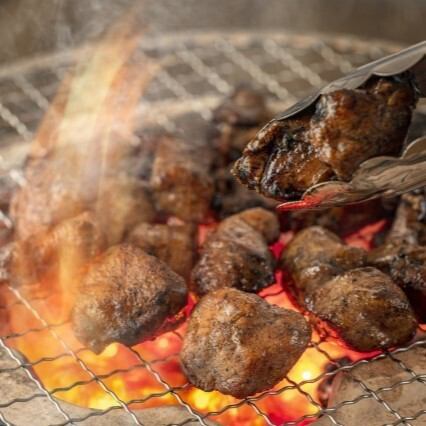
198, 70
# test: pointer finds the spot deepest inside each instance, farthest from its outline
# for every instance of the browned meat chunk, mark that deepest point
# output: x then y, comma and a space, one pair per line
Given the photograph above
180, 179
173, 244
366, 308
49, 196
350, 126
236, 121
58, 256
65, 183
122, 202
406, 265
239, 344
280, 162
403, 255
346, 128
237, 255
231, 197
127, 296
316, 255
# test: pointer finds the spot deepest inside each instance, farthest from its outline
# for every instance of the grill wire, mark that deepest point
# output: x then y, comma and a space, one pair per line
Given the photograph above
197, 71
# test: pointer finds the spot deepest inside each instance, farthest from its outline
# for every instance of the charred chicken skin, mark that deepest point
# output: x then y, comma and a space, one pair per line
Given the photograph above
346, 128
239, 344
237, 254
403, 254
127, 296
367, 309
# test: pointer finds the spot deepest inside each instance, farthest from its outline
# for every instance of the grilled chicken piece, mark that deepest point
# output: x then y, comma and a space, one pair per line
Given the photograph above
316, 255
346, 128
236, 121
406, 265
50, 195
173, 244
66, 183
403, 254
58, 256
280, 162
231, 197
239, 344
350, 126
180, 179
366, 308
127, 296
121, 204
237, 254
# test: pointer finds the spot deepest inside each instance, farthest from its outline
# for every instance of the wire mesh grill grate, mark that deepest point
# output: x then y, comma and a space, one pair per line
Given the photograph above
197, 70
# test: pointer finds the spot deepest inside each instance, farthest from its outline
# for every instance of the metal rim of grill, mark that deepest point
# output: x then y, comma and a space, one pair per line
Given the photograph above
198, 70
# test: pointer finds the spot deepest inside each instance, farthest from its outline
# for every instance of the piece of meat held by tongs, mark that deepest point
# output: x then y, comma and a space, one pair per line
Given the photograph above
345, 143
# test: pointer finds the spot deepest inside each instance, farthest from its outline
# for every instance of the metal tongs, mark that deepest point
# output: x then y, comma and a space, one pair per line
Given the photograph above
382, 176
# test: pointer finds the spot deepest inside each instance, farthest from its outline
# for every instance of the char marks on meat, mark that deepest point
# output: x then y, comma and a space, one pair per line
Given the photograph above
366, 308
362, 304
237, 254
127, 296
181, 180
239, 344
346, 128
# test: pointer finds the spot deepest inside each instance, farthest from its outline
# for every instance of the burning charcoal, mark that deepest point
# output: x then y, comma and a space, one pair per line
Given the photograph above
127, 296
237, 254
236, 121
346, 128
314, 256
407, 400
121, 204
366, 308
231, 197
173, 244
239, 344
47, 255
180, 179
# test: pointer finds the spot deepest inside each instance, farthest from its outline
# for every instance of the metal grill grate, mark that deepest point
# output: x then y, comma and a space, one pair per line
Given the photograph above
197, 71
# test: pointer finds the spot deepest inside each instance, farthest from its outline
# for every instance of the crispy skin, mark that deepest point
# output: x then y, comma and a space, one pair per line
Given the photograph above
280, 163
346, 128
366, 308
231, 197
239, 344
316, 255
350, 126
173, 244
58, 256
406, 265
235, 122
235, 255
127, 297
181, 179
